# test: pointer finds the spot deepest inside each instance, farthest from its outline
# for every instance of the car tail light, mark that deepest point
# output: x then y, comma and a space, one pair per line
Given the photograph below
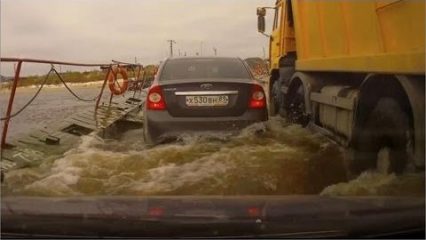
257, 97
155, 99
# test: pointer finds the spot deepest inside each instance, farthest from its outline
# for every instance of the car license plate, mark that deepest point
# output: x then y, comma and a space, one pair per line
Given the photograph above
206, 101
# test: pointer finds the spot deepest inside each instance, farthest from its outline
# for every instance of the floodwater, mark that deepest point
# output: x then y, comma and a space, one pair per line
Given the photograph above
272, 158
52, 103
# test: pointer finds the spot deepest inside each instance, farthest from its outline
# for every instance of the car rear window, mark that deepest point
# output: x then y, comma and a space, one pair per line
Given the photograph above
203, 68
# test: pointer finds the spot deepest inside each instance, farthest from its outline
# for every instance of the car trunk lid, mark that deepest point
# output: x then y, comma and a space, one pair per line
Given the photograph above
207, 98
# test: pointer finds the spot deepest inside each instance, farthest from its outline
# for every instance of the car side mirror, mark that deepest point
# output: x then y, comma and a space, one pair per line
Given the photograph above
261, 12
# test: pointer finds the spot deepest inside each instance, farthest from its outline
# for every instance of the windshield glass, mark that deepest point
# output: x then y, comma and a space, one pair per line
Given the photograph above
177, 118
203, 68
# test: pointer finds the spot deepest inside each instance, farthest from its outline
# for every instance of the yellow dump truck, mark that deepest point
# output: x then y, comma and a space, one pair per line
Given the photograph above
355, 71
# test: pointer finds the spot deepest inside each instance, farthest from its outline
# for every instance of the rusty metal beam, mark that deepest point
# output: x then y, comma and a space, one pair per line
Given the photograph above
31, 60
10, 104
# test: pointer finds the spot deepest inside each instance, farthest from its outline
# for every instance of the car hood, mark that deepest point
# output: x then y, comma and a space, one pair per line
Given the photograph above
212, 216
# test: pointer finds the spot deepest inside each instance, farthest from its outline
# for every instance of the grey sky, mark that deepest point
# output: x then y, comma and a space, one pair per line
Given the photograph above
102, 30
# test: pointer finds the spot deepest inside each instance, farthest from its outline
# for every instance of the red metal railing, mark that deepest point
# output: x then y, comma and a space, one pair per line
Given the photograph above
20, 62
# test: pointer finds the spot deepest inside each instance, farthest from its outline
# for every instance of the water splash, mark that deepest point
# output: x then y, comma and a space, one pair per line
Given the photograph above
376, 183
272, 158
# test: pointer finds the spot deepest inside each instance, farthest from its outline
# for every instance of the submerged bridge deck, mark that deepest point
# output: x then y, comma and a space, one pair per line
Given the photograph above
54, 140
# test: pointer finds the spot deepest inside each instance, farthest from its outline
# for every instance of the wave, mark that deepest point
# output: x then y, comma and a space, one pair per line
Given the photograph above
272, 158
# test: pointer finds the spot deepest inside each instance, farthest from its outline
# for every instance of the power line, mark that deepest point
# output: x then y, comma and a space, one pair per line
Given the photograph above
171, 46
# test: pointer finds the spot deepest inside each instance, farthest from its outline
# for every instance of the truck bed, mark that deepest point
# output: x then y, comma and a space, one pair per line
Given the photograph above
360, 36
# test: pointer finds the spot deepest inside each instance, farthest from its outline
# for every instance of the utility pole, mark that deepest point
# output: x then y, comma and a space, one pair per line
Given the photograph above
171, 46
215, 51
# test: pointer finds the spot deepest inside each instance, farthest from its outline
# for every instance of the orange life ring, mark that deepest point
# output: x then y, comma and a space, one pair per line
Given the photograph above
113, 85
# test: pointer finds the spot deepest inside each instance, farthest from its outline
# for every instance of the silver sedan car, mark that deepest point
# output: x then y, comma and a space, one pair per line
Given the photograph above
202, 94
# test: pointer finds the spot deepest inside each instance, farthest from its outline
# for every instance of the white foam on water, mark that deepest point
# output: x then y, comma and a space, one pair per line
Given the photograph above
64, 172
265, 158
377, 183
366, 183
172, 176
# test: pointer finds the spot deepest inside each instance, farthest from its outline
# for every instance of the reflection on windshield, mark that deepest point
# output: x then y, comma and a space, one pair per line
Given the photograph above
203, 68
324, 118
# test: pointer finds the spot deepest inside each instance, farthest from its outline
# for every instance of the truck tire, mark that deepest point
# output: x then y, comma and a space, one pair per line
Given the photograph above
296, 108
273, 100
387, 126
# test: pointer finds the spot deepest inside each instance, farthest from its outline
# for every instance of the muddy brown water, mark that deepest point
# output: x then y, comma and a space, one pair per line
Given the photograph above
271, 158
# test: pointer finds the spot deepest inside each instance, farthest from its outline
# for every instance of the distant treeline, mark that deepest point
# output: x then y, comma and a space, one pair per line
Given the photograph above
77, 77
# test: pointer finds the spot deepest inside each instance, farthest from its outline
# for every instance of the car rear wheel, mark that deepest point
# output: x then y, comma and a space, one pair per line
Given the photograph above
386, 132
146, 134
